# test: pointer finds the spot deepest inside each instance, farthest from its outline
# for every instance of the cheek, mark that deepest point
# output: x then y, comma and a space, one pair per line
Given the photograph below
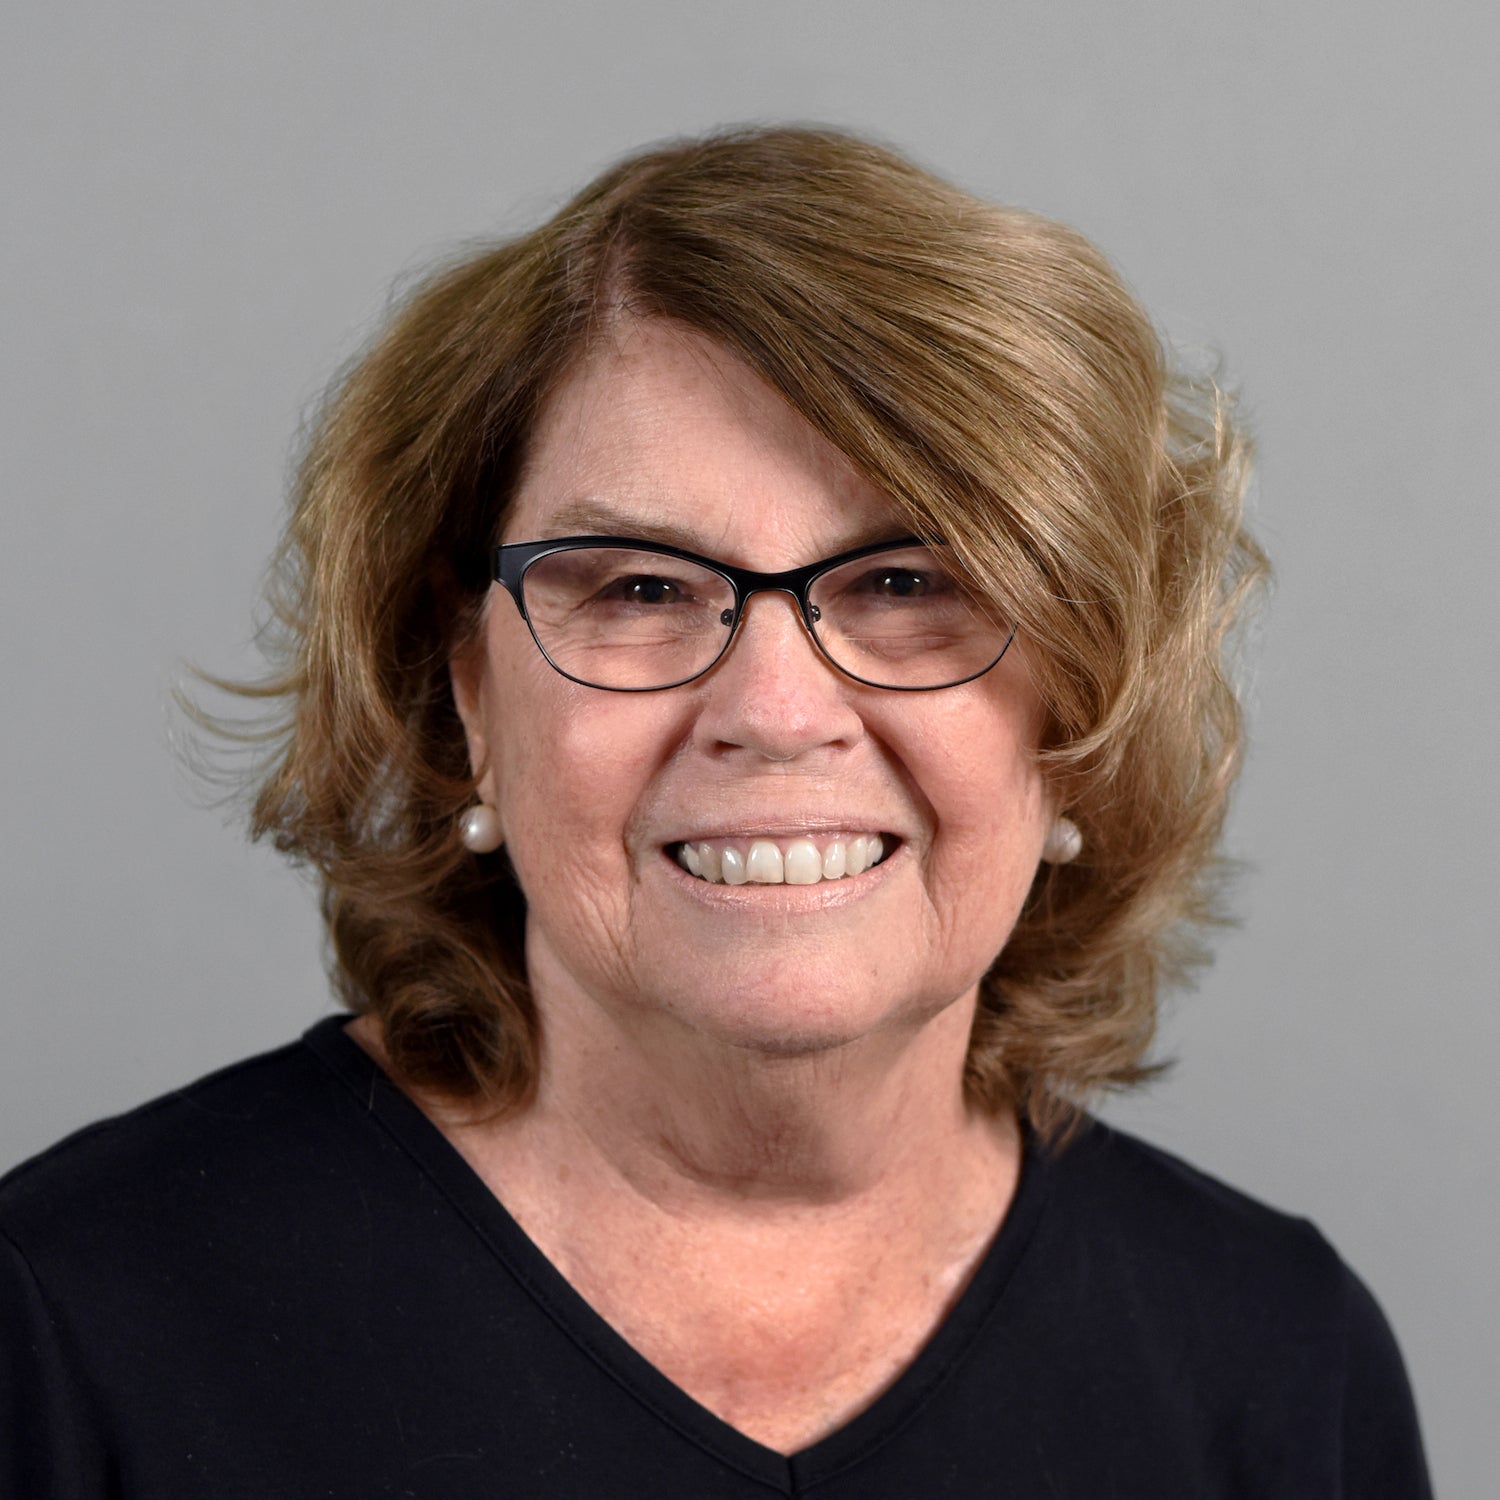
572, 768
990, 809
557, 781
989, 835
565, 802
539, 731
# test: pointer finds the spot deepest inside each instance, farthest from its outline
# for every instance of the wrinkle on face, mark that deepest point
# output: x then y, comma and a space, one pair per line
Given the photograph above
662, 433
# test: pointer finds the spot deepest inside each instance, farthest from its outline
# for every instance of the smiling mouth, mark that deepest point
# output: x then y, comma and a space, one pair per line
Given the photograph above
796, 861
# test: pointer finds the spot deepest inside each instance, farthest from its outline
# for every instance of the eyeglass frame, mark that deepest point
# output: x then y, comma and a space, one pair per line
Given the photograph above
509, 562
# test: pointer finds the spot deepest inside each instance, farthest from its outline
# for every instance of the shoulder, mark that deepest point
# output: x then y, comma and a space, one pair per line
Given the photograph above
1156, 1208
209, 1260
1169, 1254
1243, 1313
207, 1155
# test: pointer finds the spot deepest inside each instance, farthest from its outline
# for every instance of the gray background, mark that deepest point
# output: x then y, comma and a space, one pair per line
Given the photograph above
205, 207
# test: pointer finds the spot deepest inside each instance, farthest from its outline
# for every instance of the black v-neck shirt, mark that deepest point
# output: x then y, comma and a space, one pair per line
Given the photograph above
283, 1282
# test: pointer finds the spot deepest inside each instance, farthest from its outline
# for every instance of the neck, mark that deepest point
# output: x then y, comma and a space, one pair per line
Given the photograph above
779, 1234
696, 1125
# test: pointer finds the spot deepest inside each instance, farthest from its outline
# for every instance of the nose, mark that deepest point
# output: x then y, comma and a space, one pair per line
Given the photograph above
773, 694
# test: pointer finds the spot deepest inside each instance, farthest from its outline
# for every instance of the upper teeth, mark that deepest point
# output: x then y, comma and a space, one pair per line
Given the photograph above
777, 862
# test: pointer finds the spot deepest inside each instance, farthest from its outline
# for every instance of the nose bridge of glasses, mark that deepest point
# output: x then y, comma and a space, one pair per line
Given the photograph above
791, 590
771, 656
793, 582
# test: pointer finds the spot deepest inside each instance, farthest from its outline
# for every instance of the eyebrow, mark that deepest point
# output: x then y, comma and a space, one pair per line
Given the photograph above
595, 516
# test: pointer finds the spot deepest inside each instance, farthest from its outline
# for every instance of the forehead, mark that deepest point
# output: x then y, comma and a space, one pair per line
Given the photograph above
662, 433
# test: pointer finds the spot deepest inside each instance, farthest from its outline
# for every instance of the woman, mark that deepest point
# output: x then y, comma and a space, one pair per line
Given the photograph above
756, 706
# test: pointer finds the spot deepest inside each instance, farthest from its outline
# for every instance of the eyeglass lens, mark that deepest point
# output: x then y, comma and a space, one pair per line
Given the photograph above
631, 618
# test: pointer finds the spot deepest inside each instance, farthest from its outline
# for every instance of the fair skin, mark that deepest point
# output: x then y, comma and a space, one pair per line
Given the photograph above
750, 1149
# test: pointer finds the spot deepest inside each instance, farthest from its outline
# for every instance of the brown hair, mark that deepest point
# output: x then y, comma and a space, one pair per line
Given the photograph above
984, 366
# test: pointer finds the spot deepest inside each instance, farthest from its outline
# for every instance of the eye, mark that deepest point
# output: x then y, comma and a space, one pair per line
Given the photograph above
899, 583
645, 588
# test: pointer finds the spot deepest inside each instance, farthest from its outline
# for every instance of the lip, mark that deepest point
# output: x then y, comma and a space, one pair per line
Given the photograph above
823, 895
892, 841
781, 828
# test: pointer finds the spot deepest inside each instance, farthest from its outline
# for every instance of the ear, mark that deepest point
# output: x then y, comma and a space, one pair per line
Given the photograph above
466, 670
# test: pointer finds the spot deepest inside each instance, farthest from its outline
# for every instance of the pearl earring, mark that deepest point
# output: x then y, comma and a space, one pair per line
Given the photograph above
480, 829
1064, 843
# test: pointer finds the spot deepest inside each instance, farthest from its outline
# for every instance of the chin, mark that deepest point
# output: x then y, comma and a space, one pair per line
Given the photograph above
762, 1018
793, 1042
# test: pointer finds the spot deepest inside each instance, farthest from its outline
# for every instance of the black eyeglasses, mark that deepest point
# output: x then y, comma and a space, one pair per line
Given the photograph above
633, 616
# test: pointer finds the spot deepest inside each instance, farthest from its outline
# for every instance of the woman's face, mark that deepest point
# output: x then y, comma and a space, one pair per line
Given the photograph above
662, 434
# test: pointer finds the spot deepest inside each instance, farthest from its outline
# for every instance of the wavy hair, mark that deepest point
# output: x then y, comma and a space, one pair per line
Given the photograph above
985, 367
